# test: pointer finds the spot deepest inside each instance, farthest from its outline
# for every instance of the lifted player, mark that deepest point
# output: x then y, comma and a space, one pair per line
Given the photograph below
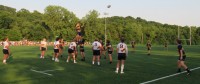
78, 30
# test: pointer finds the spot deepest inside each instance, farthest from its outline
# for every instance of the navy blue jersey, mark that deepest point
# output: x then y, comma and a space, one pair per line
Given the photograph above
180, 47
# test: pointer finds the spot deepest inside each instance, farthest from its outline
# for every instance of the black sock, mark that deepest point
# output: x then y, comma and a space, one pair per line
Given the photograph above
188, 70
179, 70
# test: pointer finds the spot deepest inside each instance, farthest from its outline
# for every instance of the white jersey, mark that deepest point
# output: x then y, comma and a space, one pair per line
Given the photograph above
122, 48
43, 43
56, 44
96, 45
5, 45
72, 45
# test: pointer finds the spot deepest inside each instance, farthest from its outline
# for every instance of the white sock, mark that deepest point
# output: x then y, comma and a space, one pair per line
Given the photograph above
92, 62
74, 61
4, 61
117, 69
98, 63
122, 68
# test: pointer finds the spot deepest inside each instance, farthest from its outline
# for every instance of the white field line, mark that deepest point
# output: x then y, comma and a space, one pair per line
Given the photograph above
41, 72
167, 76
52, 70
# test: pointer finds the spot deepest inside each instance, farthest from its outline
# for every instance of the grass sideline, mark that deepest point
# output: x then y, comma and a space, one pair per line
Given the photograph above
139, 67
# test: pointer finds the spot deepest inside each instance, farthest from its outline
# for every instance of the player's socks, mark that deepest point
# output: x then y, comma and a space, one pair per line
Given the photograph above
122, 68
98, 63
75, 61
4, 61
92, 62
83, 58
179, 70
117, 69
188, 71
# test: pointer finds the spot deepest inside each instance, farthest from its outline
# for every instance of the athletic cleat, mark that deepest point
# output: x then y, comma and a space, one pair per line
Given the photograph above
122, 72
110, 62
53, 59
75, 62
189, 73
116, 71
56, 60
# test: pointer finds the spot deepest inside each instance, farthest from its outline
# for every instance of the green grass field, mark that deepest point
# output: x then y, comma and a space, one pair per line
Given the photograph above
139, 67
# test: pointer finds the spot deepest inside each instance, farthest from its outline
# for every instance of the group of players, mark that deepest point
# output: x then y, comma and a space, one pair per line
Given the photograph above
97, 48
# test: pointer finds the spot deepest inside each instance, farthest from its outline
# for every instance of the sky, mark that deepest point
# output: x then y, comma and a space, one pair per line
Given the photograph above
178, 12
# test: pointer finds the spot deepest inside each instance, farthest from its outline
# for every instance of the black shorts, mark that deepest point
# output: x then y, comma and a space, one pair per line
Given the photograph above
183, 59
5, 51
70, 51
121, 56
133, 46
82, 50
56, 50
43, 49
96, 52
110, 52
79, 33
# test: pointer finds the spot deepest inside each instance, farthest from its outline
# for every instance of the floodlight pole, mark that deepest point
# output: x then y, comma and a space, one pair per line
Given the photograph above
106, 23
178, 33
190, 36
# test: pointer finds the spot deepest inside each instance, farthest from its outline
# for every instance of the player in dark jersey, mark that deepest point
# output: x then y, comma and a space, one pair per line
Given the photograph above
78, 30
82, 50
149, 47
166, 45
133, 45
181, 58
110, 50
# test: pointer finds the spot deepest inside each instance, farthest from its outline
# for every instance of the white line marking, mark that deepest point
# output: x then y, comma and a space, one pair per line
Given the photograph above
41, 72
167, 76
52, 70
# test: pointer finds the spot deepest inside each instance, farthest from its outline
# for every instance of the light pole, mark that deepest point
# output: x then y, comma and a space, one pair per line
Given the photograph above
108, 6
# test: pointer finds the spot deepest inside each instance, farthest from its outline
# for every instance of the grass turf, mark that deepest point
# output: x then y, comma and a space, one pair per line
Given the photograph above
139, 67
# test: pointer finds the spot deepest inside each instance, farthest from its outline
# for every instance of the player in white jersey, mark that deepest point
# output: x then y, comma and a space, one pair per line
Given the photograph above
6, 50
122, 52
96, 47
43, 47
71, 51
56, 50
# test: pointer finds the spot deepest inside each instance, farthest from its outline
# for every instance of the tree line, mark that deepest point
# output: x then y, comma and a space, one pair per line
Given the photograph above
57, 21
